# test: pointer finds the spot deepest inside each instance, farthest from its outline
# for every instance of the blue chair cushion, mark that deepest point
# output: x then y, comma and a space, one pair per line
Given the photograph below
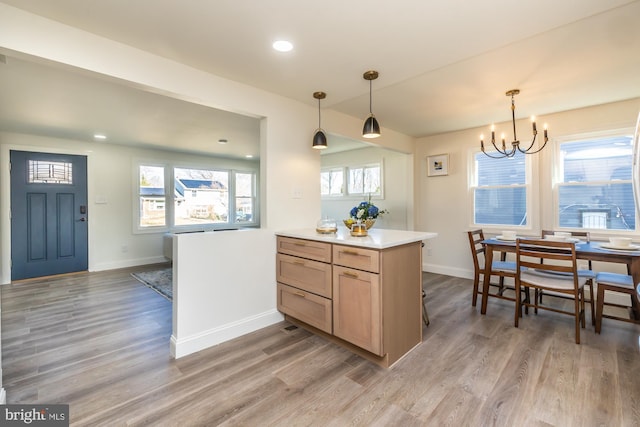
622, 280
509, 266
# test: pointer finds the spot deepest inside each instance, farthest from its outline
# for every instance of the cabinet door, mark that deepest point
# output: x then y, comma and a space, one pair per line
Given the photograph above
357, 313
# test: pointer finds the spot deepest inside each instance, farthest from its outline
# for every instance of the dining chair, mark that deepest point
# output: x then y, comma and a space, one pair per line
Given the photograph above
586, 272
551, 267
614, 282
502, 269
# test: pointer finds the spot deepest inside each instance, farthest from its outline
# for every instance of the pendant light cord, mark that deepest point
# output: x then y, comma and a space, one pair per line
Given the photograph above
370, 97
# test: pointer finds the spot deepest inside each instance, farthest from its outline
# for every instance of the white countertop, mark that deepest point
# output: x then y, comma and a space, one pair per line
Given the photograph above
378, 238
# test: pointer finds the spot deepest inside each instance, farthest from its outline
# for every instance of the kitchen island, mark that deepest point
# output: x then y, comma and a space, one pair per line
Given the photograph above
364, 293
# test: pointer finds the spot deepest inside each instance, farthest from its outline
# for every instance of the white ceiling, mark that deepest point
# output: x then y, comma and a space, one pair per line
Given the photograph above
444, 64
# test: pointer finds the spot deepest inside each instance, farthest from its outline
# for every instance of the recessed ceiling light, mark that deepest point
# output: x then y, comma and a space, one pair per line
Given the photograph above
249, 156
282, 45
99, 137
222, 141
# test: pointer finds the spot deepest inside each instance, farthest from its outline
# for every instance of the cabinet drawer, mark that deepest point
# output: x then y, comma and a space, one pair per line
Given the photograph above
359, 258
318, 251
306, 307
308, 275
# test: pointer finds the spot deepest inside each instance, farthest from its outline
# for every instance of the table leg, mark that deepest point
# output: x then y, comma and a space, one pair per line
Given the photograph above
634, 270
488, 260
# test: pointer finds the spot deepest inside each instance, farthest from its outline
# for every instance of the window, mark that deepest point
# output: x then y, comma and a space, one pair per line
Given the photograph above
594, 184
362, 180
365, 180
332, 182
245, 197
151, 194
48, 172
201, 197
500, 190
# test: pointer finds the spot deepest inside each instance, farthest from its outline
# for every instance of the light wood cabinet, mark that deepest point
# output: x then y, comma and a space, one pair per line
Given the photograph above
357, 314
368, 300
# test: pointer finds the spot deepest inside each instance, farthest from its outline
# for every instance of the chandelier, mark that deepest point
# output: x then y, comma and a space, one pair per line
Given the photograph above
515, 144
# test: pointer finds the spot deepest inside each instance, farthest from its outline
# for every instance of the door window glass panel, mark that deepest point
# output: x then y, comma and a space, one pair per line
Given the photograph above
48, 172
595, 189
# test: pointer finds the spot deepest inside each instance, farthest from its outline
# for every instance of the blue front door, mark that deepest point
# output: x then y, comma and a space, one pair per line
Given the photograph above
48, 214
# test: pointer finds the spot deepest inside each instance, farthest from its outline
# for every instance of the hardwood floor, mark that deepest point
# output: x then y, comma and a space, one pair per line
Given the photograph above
100, 342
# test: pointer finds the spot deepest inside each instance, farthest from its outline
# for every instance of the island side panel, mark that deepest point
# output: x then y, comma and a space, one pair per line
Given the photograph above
401, 275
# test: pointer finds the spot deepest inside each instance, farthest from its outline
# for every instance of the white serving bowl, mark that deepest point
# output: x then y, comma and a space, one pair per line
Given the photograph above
509, 235
620, 242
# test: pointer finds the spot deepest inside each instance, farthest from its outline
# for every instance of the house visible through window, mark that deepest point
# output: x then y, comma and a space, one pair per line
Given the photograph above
200, 197
500, 190
594, 184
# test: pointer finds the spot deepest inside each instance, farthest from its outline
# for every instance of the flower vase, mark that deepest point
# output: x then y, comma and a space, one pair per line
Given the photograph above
367, 222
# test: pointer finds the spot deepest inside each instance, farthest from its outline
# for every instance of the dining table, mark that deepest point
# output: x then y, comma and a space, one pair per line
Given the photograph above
586, 250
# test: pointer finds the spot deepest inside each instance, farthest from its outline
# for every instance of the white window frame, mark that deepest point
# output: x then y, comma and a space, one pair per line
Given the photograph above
169, 188
343, 170
532, 199
370, 165
346, 194
557, 172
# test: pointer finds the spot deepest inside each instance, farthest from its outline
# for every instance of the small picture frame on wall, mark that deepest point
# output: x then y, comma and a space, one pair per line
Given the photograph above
438, 165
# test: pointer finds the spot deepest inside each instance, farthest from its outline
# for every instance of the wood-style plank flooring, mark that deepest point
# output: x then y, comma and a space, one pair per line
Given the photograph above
100, 342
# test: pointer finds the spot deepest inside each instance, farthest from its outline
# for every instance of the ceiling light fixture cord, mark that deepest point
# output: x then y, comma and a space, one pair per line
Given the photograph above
515, 144
370, 97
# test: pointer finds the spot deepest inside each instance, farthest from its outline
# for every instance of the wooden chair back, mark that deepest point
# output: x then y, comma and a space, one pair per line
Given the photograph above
475, 242
547, 256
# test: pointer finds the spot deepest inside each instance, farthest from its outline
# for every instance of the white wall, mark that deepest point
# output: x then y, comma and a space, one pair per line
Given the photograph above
217, 300
443, 202
398, 186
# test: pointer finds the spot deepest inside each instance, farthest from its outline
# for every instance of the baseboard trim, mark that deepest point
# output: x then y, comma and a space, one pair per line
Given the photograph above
185, 346
448, 271
125, 263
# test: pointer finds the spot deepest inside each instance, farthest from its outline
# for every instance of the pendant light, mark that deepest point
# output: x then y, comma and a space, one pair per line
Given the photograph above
319, 139
371, 127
